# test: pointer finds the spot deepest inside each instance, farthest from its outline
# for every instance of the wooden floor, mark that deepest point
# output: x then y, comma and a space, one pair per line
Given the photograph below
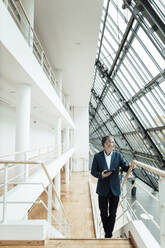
89, 243
76, 201
80, 243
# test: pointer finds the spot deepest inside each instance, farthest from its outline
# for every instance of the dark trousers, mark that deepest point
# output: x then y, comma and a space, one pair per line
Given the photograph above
108, 207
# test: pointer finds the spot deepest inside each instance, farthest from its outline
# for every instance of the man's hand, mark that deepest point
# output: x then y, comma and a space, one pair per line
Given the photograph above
131, 165
104, 175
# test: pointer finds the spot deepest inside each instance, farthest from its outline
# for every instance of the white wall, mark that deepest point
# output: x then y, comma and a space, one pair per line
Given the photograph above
81, 139
40, 133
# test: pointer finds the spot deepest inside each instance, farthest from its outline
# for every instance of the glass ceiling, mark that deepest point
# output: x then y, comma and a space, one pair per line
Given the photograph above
128, 93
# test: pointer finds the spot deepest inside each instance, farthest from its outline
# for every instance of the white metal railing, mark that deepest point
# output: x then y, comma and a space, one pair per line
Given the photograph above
21, 19
128, 208
44, 153
128, 211
31, 153
58, 219
14, 172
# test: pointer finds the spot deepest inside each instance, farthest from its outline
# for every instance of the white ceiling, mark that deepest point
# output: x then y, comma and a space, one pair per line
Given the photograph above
68, 30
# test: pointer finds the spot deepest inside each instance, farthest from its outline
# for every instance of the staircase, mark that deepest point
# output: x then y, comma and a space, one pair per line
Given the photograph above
92, 243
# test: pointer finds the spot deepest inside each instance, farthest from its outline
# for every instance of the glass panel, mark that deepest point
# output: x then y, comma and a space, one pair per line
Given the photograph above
135, 98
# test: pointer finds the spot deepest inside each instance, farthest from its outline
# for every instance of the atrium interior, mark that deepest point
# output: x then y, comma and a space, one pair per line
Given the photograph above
71, 74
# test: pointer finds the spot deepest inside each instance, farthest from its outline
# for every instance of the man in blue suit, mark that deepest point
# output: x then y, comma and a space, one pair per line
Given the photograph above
105, 167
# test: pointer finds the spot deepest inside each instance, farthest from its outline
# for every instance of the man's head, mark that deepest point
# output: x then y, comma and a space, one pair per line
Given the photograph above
108, 143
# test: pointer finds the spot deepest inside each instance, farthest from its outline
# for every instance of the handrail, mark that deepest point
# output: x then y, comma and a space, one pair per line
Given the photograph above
20, 152
47, 174
150, 168
29, 150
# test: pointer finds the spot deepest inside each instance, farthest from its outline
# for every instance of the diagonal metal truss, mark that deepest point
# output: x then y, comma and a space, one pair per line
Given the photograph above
128, 93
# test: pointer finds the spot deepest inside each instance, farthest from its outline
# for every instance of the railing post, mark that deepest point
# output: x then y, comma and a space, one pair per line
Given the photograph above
50, 73
26, 167
49, 203
5, 193
29, 35
162, 211
42, 58
124, 191
96, 223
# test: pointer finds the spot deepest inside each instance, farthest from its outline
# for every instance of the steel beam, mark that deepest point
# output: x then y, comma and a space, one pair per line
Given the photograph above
139, 124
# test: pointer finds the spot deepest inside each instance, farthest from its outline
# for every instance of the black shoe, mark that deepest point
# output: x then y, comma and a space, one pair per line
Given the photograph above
108, 235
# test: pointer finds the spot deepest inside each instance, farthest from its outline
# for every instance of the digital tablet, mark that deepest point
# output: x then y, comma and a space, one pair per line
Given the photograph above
109, 171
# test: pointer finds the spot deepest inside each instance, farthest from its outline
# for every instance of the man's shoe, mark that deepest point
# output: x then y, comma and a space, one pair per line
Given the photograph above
108, 235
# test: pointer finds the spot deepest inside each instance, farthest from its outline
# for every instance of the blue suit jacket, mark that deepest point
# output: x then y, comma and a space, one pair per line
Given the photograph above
113, 181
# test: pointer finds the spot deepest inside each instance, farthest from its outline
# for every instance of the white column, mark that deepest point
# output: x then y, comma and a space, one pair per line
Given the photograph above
81, 137
67, 142
58, 176
23, 108
162, 211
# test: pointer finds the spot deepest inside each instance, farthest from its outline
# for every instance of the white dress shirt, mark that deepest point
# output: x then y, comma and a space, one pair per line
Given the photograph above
108, 159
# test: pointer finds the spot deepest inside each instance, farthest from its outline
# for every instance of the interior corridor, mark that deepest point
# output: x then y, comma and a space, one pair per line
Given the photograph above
82, 109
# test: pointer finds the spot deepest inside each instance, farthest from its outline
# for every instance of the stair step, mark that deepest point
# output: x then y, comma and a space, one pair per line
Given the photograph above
89, 243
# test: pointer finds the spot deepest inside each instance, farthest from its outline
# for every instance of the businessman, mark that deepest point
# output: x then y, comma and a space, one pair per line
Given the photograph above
105, 167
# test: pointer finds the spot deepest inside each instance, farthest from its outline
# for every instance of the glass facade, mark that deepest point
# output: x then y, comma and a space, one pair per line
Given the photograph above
128, 93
